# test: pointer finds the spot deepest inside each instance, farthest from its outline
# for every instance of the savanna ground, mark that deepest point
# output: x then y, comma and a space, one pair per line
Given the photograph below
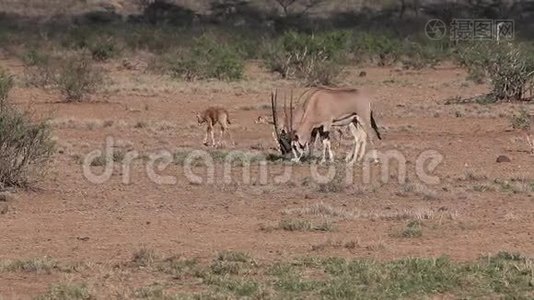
469, 235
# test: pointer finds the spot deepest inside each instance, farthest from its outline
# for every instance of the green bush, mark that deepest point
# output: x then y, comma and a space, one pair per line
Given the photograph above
208, 59
104, 48
509, 67
418, 55
26, 145
158, 40
101, 42
34, 57
383, 48
316, 59
77, 77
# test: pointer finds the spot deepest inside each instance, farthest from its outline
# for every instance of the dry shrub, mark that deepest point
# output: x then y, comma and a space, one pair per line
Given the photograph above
75, 75
6, 83
39, 68
316, 59
509, 67
25, 145
78, 77
521, 119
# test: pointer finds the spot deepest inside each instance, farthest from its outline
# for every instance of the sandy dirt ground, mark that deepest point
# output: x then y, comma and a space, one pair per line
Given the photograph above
479, 206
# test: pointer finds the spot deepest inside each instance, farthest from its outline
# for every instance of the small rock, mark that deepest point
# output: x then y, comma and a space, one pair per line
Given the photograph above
3, 208
362, 74
503, 158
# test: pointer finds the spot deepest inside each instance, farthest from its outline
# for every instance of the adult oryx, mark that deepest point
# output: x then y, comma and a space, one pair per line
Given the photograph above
323, 109
328, 107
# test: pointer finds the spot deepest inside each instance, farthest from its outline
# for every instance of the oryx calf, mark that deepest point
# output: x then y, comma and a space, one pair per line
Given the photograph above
211, 116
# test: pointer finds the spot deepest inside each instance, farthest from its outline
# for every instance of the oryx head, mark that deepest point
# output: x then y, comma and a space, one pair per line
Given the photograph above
283, 132
298, 144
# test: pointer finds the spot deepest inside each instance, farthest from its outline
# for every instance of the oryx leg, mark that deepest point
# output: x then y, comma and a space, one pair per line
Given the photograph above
225, 129
212, 133
205, 142
230, 136
323, 159
327, 147
359, 143
365, 129
340, 137
330, 152
221, 134
315, 135
328, 130
352, 152
312, 143
209, 131
296, 156
363, 145
351, 155
276, 142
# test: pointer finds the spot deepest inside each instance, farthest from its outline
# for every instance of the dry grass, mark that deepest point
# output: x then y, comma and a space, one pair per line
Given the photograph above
418, 189
150, 85
323, 210
92, 124
144, 257
331, 244
327, 211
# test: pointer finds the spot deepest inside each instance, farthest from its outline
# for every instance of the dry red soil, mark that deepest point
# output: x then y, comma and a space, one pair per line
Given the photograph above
466, 215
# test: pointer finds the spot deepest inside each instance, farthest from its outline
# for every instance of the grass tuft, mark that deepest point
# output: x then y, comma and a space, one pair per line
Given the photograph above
144, 257
67, 292
413, 229
304, 225
36, 265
